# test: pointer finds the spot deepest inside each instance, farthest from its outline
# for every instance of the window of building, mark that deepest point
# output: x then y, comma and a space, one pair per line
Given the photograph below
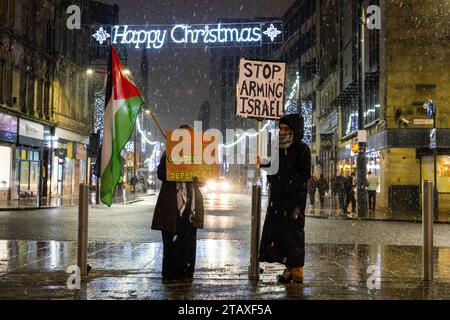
372, 107
349, 119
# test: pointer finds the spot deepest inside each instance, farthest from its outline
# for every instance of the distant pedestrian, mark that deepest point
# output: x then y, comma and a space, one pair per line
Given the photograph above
134, 181
178, 214
340, 188
283, 236
372, 187
312, 187
322, 186
350, 193
333, 187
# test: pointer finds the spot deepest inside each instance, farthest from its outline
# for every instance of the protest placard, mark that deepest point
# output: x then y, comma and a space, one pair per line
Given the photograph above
189, 157
260, 89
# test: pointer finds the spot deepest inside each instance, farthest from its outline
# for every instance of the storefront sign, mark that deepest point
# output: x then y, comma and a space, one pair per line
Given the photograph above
186, 160
8, 128
433, 139
80, 152
62, 149
423, 121
373, 154
260, 89
31, 129
70, 136
193, 35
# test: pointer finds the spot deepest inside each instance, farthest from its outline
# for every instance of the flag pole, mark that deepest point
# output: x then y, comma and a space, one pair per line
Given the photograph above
152, 114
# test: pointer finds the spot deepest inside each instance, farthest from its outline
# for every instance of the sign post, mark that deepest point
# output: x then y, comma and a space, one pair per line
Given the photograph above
431, 113
260, 95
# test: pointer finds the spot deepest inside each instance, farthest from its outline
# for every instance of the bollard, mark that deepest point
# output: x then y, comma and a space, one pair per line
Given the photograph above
427, 230
83, 212
255, 232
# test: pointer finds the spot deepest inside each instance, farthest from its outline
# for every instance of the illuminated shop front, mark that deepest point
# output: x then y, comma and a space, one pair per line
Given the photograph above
8, 137
348, 164
442, 178
26, 174
69, 162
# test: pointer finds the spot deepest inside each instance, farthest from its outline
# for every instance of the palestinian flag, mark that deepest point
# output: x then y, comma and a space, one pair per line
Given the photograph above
123, 103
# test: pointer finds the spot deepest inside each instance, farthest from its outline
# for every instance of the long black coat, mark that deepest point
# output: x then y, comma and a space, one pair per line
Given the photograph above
166, 210
283, 238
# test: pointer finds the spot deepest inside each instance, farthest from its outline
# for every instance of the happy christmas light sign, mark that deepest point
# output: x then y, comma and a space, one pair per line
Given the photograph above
203, 35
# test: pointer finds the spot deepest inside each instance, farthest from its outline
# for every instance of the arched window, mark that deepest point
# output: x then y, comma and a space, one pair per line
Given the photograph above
23, 86
6, 68
30, 90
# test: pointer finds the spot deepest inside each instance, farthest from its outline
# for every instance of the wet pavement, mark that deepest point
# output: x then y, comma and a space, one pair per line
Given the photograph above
126, 257
36, 270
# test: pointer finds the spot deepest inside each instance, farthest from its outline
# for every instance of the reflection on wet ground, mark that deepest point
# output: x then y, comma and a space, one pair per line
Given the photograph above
36, 270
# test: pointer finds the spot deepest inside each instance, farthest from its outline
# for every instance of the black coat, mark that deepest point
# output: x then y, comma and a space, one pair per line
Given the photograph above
166, 210
283, 239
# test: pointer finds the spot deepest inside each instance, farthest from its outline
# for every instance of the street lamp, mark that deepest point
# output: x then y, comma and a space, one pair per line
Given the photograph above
361, 158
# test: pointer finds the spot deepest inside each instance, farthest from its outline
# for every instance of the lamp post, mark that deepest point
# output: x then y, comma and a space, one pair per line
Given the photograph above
361, 158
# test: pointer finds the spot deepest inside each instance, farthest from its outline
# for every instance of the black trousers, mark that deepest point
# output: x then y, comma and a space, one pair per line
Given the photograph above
350, 197
341, 196
312, 197
322, 199
372, 198
179, 250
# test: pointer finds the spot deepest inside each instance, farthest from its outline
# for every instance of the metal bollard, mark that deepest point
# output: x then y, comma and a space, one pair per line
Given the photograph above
427, 230
255, 232
83, 212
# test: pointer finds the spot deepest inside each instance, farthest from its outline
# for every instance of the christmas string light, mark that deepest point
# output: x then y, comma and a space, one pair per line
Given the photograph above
242, 137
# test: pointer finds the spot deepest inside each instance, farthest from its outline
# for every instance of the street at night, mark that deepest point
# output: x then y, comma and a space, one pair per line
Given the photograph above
225, 151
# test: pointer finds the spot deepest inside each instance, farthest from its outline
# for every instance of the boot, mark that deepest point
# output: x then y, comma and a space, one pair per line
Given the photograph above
297, 274
286, 277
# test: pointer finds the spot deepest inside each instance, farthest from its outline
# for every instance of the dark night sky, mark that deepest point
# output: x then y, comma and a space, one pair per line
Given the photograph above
179, 78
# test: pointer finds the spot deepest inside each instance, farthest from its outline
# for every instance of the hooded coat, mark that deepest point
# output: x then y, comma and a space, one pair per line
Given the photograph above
283, 237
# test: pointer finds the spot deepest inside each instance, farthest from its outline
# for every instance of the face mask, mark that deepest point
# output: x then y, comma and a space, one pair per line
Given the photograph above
285, 141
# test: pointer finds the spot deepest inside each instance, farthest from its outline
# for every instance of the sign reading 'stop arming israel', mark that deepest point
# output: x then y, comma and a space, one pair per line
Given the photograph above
260, 89
192, 35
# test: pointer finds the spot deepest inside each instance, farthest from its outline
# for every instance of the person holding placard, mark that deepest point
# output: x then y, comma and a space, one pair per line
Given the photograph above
179, 212
283, 237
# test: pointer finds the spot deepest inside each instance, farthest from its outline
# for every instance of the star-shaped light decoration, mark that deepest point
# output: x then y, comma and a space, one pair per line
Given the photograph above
272, 32
101, 35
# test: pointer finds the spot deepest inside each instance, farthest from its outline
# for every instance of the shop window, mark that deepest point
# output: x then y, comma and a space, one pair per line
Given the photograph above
5, 164
34, 176
24, 175
372, 107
